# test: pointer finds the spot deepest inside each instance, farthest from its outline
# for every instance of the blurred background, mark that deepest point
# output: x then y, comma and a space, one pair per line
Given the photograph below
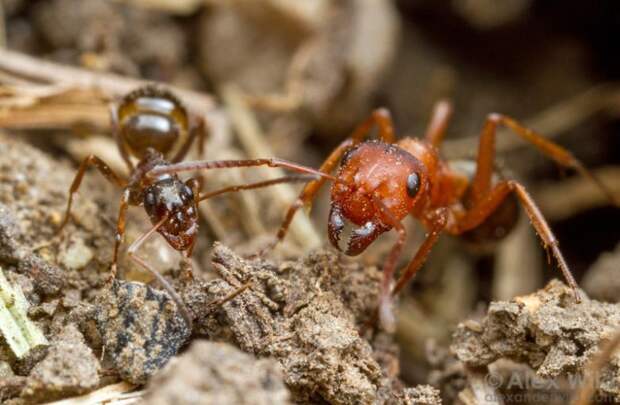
305, 72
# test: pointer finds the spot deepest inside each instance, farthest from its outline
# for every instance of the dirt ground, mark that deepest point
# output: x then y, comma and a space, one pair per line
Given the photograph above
480, 324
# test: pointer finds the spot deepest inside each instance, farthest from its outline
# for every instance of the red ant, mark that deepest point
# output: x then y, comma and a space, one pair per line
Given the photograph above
379, 182
152, 125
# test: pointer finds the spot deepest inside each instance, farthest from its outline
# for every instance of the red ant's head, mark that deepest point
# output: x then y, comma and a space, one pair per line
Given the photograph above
174, 200
381, 183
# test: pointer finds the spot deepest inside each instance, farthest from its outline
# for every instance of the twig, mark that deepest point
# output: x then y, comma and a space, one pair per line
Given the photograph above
255, 145
551, 122
2, 26
518, 266
44, 72
560, 200
121, 393
482, 391
593, 370
20, 333
179, 7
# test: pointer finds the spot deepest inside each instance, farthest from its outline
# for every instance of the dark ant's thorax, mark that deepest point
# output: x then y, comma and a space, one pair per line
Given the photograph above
138, 181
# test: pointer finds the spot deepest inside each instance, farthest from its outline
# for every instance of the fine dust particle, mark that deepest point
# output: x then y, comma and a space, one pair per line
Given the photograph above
218, 373
77, 255
422, 395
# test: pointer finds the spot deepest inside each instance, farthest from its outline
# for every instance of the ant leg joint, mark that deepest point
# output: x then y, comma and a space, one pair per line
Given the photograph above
495, 117
382, 112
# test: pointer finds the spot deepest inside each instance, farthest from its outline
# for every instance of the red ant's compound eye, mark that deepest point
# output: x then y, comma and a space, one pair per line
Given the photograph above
413, 184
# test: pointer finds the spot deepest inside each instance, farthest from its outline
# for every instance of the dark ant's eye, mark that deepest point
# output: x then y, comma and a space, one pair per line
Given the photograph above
187, 193
413, 184
149, 199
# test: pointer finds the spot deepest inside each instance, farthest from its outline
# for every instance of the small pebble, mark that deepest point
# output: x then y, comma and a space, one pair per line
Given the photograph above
141, 329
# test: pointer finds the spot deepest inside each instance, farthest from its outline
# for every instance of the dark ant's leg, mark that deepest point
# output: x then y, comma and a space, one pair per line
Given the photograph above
486, 155
225, 164
120, 231
187, 259
488, 203
197, 131
260, 184
131, 251
116, 133
436, 130
91, 160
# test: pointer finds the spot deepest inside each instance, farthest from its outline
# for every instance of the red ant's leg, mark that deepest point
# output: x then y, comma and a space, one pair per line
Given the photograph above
120, 231
488, 203
486, 155
197, 132
386, 316
90, 160
117, 136
437, 221
131, 251
379, 117
436, 130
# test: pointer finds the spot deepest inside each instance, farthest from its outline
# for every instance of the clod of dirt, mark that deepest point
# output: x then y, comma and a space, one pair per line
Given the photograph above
218, 373
305, 314
33, 196
547, 330
141, 329
47, 278
10, 384
422, 395
601, 281
70, 368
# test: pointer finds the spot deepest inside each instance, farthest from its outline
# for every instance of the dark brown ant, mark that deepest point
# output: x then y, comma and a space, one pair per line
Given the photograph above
382, 181
152, 125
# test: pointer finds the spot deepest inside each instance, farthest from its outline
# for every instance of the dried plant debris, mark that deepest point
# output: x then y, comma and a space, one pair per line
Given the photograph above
546, 330
218, 373
19, 332
601, 281
141, 329
305, 314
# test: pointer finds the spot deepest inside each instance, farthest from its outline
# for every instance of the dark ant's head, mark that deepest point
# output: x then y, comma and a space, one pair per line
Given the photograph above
152, 117
375, 176
170, 198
